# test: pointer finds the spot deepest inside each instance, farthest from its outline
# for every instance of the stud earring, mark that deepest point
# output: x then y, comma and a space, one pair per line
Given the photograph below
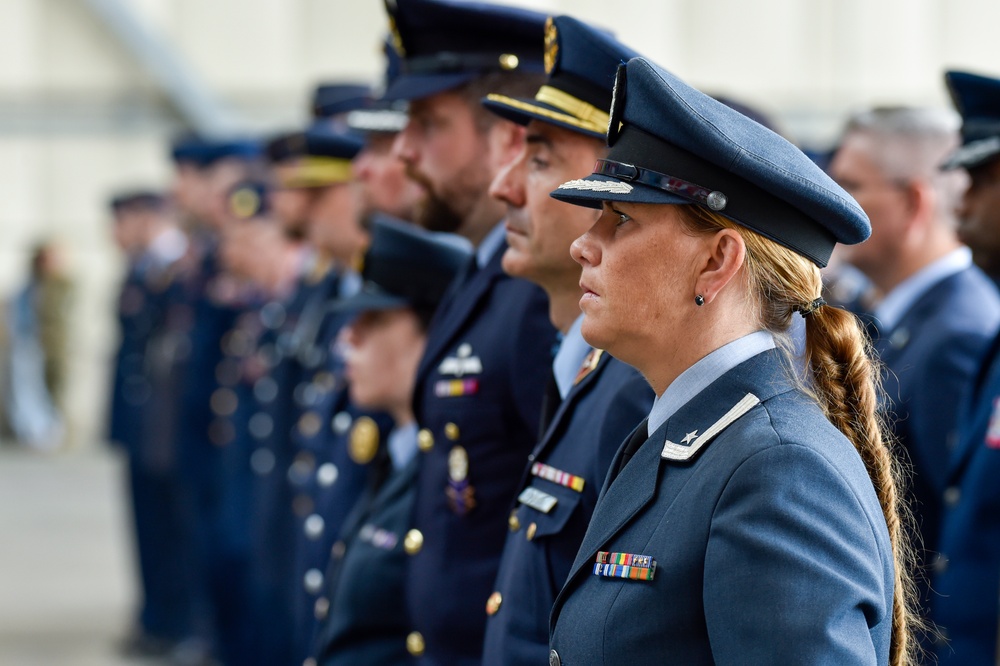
699, 300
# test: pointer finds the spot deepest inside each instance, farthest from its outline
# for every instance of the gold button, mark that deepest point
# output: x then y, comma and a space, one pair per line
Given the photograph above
451, 431
413, 542
509, 61
321, 608
493, 603
425, 440
513, 523
310, 424
415, 643
531, 531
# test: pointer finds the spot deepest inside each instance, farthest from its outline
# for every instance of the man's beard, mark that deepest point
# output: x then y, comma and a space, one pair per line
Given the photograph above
434, 213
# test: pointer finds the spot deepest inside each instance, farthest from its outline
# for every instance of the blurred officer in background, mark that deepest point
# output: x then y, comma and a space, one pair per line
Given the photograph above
936, 312
479, 385
146, 231
966, 585
406, 274
290, 356
594, 401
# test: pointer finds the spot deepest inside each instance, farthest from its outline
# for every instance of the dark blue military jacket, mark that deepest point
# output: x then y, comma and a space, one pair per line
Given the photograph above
477, 399
930, 357
362, 619
559, 490
757, 540
966, 599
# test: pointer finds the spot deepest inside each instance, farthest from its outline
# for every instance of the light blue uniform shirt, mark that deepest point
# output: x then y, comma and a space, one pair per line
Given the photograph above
491, 243
696, 379
402, 445
892, 308
572, 350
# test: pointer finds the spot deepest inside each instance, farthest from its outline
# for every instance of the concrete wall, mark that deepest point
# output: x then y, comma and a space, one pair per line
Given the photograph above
79, 117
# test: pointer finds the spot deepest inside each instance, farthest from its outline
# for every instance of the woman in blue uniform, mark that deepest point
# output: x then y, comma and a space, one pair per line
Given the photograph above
753, 518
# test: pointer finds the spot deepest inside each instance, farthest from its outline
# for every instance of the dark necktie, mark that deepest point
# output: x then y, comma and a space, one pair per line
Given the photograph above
550, 404
637, 439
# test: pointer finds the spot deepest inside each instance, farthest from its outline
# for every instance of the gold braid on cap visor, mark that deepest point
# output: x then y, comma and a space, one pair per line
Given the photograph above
316, 172
577, 112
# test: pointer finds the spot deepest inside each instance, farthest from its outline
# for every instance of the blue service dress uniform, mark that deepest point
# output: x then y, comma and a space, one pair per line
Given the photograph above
930, 356
558, 493
747, 531
277, 470
151, 469
477, 400
966, 584
362, 619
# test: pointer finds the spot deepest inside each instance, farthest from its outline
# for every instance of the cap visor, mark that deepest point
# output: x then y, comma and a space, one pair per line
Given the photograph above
973, 154
419, 86
522, 111
368, 299
595, 189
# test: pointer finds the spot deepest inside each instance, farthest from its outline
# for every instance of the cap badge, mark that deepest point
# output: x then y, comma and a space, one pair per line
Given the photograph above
551, 45
244, 203
396, 38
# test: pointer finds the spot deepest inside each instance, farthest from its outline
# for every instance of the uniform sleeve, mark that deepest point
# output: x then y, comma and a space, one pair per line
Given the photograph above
794, 571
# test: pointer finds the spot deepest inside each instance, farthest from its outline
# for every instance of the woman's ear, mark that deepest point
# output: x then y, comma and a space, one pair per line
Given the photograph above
725, 253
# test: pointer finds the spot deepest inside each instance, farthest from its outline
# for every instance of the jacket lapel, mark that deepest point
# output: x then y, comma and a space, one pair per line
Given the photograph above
464, 304
650, 474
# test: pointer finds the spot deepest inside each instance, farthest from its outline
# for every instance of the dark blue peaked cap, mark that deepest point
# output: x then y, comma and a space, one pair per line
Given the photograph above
406, 266
446, 43
977, 98
383, 115
581, 62
204, 153
322, 141
333, 99
671, 144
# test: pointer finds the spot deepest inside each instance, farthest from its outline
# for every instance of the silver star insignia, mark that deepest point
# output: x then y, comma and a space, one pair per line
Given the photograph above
688, 438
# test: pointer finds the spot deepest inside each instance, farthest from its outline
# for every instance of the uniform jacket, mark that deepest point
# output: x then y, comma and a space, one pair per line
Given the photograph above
477, 400
931, 356
362, 619
966, 603
769, 543
598, 413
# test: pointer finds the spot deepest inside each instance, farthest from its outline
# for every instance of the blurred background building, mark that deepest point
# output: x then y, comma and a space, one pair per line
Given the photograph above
92, 90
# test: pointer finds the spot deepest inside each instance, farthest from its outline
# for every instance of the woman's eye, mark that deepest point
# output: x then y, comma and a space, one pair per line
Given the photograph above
622, 218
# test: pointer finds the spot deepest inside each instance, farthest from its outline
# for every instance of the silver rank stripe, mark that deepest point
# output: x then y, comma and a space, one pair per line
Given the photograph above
537, 500
672, 451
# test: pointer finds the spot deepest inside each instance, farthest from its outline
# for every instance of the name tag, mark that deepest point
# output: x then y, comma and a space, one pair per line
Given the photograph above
537, 500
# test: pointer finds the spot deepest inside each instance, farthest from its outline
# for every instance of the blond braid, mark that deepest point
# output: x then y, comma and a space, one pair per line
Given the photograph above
845, 383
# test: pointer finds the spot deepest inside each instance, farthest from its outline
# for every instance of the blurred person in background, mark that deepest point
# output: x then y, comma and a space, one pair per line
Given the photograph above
147, 233
36, 354
480, 383
935, 312
965, 602
406, 273
593, 402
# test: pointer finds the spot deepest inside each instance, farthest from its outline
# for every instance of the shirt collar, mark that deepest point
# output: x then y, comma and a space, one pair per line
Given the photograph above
402, 445
572, 350
697, 378
350, 284
491, 243
892, 308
